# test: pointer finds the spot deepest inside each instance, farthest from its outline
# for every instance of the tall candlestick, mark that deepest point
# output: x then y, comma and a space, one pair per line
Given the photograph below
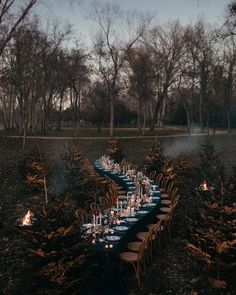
94, 221
100, 222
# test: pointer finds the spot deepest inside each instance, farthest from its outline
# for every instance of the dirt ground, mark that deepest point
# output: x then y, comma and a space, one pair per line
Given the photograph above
170, 273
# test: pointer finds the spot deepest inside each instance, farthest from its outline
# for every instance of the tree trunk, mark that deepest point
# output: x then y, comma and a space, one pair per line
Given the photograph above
207, 123
144, 120
112, 115
214, 123
189, 121
139, 116
162, 113
229, 120
157, 109
58, 128
200, 113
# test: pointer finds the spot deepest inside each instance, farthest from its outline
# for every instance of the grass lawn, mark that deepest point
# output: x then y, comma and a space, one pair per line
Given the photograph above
92, 132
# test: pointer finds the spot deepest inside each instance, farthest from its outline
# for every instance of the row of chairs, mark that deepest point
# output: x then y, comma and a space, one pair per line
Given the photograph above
140, 256
105, 196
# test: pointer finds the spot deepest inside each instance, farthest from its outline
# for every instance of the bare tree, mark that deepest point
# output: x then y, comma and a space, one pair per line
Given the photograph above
78, 80
11, 16
112, 45
229, 66
167, 49
199, 43
141, 80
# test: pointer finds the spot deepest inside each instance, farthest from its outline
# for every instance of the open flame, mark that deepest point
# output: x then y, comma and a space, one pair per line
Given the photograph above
204, 186
28, 218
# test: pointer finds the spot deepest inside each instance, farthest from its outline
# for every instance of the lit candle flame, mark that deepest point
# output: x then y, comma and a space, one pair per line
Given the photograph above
28, 218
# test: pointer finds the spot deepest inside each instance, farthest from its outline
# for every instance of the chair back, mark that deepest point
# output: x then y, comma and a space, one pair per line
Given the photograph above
95, 208
159, 179
81, 216
152, 175
105, 203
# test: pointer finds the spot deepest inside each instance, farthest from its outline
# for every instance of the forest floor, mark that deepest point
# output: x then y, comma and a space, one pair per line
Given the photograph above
172, 270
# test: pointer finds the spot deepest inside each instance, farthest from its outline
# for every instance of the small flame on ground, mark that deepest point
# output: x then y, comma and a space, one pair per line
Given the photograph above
204, 186
28, 218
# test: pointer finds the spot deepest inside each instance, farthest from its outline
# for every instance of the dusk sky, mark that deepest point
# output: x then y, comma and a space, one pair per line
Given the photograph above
187, 11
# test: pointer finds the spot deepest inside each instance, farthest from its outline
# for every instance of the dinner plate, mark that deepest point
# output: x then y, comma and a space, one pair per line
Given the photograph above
131, 219
114, 209
113, 238
131, 188
87, 225
142, 212
149, 205
156, 198
121, 228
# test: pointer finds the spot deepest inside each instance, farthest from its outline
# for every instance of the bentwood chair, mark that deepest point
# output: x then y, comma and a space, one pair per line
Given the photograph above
81, 216
167, 187
148, 239
137, 260
172, 192
105, 203
159, 180
95, 208
152, 174
172, 206
167, 215
156, 227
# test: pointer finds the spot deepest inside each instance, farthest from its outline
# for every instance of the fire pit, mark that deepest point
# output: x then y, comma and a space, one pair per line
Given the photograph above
27, 220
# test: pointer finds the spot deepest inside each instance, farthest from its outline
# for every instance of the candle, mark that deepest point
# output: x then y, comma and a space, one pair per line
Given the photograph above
121, 205
132, 212
128, 211
94, 221
100, 222
97, 221
117, 205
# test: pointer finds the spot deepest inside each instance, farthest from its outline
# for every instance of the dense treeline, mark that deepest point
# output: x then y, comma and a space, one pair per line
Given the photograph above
144, 76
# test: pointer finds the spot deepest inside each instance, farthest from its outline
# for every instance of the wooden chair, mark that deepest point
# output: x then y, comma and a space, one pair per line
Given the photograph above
159, 180
167, 215
134, 246
137, 260
95, 208
171, 195
167, 187
152, 175
172, 207
81, 216
105, 203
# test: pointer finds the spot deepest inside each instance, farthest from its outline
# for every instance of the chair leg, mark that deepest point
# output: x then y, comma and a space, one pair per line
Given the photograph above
137, 272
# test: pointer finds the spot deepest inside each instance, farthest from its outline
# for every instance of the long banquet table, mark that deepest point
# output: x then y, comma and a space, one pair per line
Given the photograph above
142, 218
109, 257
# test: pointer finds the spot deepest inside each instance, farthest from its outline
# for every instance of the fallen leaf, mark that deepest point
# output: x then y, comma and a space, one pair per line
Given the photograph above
225, 246
218, 284
61, 230
37, 252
